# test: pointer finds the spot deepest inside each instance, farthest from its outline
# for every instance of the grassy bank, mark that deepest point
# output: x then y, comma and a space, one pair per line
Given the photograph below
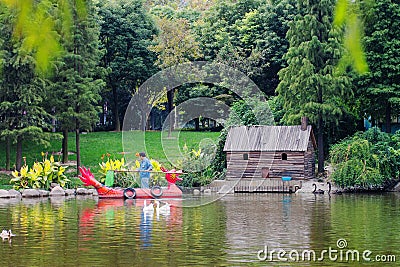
5, 181
94, 145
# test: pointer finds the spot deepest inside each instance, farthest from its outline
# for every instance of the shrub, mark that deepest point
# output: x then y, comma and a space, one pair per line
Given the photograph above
367, 160
197, 163
40, 175
112, 165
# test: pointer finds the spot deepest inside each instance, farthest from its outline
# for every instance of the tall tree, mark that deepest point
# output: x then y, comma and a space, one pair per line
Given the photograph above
175, 44
380, 88
309, 85
21, 92
126, 32
250, 36
78, 82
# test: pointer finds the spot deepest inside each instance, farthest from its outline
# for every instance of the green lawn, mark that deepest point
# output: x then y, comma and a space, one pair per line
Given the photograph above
93, 145
5, 181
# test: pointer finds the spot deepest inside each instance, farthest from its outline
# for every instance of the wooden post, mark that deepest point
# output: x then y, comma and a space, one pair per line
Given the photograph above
304, 123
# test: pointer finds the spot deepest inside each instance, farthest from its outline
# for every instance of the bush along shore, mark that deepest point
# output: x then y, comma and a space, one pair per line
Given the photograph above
366, 161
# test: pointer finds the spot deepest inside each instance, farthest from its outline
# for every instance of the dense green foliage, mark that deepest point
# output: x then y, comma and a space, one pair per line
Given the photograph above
76, 86
309, 87
296, 52
198, 163
379, 89
126, 30
39, 26
369, 160
347, 14
22, 92
248, 35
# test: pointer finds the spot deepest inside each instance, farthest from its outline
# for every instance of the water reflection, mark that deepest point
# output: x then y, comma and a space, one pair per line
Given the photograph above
226, 232
279, 221
5, 202
145, 228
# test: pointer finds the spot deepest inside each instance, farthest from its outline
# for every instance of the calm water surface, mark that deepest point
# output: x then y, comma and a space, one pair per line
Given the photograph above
232, 231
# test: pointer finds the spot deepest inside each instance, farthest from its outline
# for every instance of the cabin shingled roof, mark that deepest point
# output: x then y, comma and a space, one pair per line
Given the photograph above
268, 138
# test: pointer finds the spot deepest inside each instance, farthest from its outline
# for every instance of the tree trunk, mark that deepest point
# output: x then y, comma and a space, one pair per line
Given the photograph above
153, 114
65, 146
143, 120
116, 110
321, 158
8, 153
170, 106
78, 149
197, 124
320, 141
388, 118
18, 158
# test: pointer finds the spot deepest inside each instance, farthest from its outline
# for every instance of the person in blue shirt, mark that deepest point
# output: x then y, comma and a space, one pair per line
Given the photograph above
145, 165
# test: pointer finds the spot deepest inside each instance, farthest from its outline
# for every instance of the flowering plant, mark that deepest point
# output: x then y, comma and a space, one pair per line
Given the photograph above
40, 175
111, 165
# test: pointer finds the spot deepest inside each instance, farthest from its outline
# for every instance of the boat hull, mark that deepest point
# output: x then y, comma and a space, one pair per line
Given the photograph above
167, 192
172, 191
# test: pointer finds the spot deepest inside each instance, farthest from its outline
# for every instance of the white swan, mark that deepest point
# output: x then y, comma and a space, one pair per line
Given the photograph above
10, 233
6, 234
164, 209
148, 208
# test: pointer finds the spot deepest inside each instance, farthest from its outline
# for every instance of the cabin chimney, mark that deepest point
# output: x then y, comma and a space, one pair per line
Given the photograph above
304, 123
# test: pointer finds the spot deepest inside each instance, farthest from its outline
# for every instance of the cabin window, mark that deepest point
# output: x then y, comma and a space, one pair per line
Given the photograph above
284, 156
245, 156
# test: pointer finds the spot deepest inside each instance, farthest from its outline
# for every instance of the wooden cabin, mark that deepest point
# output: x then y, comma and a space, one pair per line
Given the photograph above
268, 152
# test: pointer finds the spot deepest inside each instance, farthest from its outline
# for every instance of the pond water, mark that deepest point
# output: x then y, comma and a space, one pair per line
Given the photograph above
239, 230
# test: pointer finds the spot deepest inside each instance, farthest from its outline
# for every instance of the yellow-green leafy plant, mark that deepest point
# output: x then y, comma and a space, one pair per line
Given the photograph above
124, 175
40, 175
157, 176
112, 165
197, 164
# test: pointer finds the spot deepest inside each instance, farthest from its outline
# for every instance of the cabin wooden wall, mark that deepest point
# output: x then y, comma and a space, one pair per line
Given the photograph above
299, 165
309, 162
252, 168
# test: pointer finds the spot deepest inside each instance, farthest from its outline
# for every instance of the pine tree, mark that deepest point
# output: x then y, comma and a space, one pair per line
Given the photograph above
77, 84
21, 93
309, 85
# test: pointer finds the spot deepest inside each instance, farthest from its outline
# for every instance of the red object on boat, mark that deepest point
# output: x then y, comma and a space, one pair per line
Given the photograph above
172, 191
172, 176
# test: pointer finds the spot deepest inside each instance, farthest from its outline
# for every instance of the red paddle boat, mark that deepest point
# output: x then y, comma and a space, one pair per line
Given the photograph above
172, 191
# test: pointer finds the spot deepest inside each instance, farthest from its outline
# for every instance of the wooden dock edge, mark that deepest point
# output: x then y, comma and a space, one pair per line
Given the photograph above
253, 186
